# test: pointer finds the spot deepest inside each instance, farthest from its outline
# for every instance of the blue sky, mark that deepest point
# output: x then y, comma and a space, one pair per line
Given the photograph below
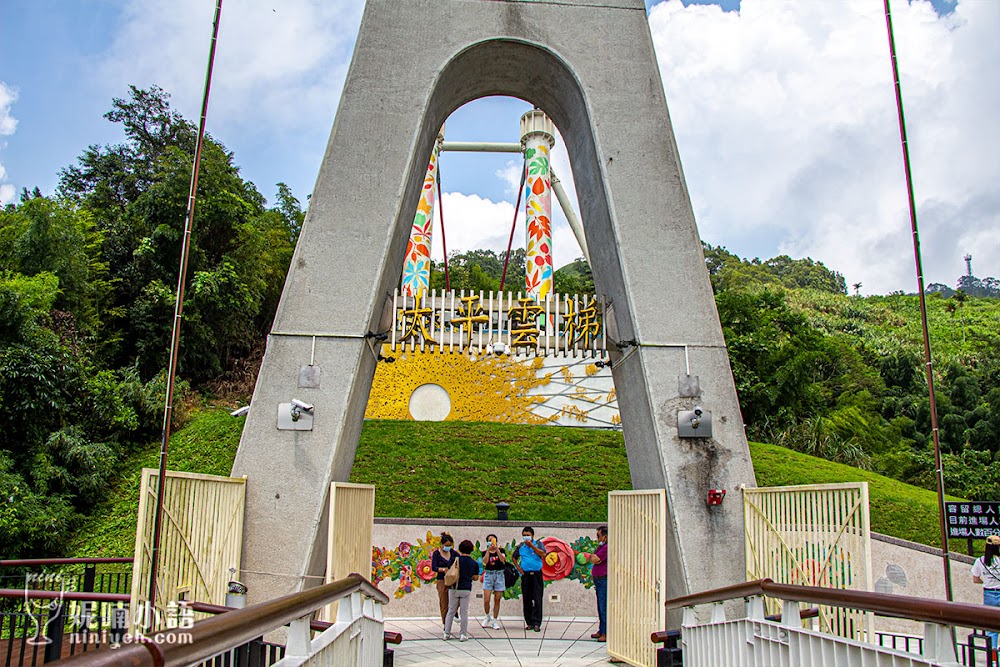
783, 111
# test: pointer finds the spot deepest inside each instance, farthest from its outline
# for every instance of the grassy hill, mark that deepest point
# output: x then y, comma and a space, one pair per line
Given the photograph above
458, 470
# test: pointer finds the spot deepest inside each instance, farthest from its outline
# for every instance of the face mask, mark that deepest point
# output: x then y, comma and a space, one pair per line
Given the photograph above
526, 537
446, 549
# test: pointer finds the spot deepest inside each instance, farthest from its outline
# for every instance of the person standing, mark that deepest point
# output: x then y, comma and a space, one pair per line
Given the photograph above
600, 575
986, 571
441, 560
529, 555
494, 559
458, 597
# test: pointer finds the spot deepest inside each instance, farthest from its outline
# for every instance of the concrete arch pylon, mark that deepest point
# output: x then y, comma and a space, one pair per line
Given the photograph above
590, 65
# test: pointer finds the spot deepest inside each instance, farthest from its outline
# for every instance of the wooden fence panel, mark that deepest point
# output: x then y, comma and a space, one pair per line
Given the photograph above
637, 573
200, 539
814, 535
349, 538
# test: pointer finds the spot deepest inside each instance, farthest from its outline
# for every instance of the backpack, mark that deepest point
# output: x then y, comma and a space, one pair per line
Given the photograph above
510, 575
451, 576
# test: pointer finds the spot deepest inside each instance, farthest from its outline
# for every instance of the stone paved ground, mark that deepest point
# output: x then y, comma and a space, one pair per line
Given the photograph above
563, 642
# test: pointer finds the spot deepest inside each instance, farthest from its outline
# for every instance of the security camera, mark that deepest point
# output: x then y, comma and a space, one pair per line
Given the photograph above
302, 405
240, 412
499, 348
698, 411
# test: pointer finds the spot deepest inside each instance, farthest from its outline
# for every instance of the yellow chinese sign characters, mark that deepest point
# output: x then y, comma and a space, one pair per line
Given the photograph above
416, 320
524, 323
470, 312
582, 325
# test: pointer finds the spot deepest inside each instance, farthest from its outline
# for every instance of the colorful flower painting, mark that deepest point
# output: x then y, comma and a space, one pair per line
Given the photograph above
538, 207
410, 563
417, 261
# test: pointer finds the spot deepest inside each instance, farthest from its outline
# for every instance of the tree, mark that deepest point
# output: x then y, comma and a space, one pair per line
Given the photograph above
136, 193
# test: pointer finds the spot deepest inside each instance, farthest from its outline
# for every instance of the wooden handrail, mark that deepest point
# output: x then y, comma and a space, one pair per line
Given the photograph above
218, 634
318, 626
884, 604
661, 636
29, 562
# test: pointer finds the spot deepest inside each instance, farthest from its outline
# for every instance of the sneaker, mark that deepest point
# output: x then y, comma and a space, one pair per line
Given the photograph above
448, 636
496, 623
486, 621
462, 638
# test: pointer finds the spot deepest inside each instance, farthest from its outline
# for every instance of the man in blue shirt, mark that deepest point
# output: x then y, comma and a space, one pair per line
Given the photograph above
528, 557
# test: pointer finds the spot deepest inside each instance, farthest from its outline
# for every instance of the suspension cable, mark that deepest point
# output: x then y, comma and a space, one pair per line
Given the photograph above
444, 243
175, 336
928, 366
517, 206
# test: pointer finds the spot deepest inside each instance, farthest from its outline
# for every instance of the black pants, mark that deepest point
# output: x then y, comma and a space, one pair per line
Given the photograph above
532, 592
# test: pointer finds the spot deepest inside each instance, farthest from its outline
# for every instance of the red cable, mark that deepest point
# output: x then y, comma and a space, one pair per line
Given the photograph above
444, 243
510, 241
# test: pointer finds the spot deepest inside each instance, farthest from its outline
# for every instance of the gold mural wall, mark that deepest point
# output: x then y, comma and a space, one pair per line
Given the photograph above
482, 388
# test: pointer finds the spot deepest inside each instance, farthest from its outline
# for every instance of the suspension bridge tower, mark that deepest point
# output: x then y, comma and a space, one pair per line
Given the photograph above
589, 65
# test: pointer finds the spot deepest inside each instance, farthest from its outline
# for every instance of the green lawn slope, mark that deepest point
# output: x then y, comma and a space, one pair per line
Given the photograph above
459, 470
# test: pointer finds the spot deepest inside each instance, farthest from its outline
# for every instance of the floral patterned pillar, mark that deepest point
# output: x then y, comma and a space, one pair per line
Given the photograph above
537, 138
417, 264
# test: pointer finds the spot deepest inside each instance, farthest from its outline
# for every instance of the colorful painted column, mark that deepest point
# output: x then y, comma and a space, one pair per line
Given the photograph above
537, 138
417, 263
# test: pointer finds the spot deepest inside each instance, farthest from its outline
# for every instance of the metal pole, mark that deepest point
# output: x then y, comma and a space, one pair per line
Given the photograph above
929, 367
175, 337
481, 147
571, 217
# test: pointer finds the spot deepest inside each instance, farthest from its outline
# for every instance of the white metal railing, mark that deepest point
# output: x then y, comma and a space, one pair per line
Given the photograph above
754, 641
355, 639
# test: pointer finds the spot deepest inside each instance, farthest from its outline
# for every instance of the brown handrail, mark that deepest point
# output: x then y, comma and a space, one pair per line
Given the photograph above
28, 562
884, 604
661, 636
75, 596
318, 626
224, 632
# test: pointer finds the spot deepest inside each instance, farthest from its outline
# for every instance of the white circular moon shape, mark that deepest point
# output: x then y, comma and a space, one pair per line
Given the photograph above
430, 403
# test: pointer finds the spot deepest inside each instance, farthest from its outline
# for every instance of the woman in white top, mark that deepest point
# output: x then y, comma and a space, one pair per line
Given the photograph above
986, 571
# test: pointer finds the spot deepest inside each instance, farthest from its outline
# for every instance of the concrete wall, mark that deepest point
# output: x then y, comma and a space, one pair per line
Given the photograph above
908, 568
899, 567
573, 598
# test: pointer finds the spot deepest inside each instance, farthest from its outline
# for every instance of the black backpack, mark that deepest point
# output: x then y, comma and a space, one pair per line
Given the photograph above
510, 575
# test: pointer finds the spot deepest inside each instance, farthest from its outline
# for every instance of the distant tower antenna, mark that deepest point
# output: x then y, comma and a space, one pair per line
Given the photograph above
968, 265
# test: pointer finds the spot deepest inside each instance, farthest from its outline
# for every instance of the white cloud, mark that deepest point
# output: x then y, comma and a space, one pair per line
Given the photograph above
8, 125
474, 223
279, 65
786, 123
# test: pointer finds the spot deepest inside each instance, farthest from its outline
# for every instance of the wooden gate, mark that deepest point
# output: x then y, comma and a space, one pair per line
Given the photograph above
201, 537
637, 573
815, 535
349, 537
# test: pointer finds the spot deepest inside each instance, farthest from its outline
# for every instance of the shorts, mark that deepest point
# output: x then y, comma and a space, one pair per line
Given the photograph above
493, 581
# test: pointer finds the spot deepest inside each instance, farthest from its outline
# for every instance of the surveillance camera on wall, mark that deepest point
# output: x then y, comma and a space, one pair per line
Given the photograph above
240, 412
302, 405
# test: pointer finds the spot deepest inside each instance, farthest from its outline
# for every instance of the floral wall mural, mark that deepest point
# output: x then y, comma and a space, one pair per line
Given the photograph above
409, 563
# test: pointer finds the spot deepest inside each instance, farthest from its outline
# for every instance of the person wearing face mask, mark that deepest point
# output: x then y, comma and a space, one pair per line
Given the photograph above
441, 560
600, 575
494, 559
528, 557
